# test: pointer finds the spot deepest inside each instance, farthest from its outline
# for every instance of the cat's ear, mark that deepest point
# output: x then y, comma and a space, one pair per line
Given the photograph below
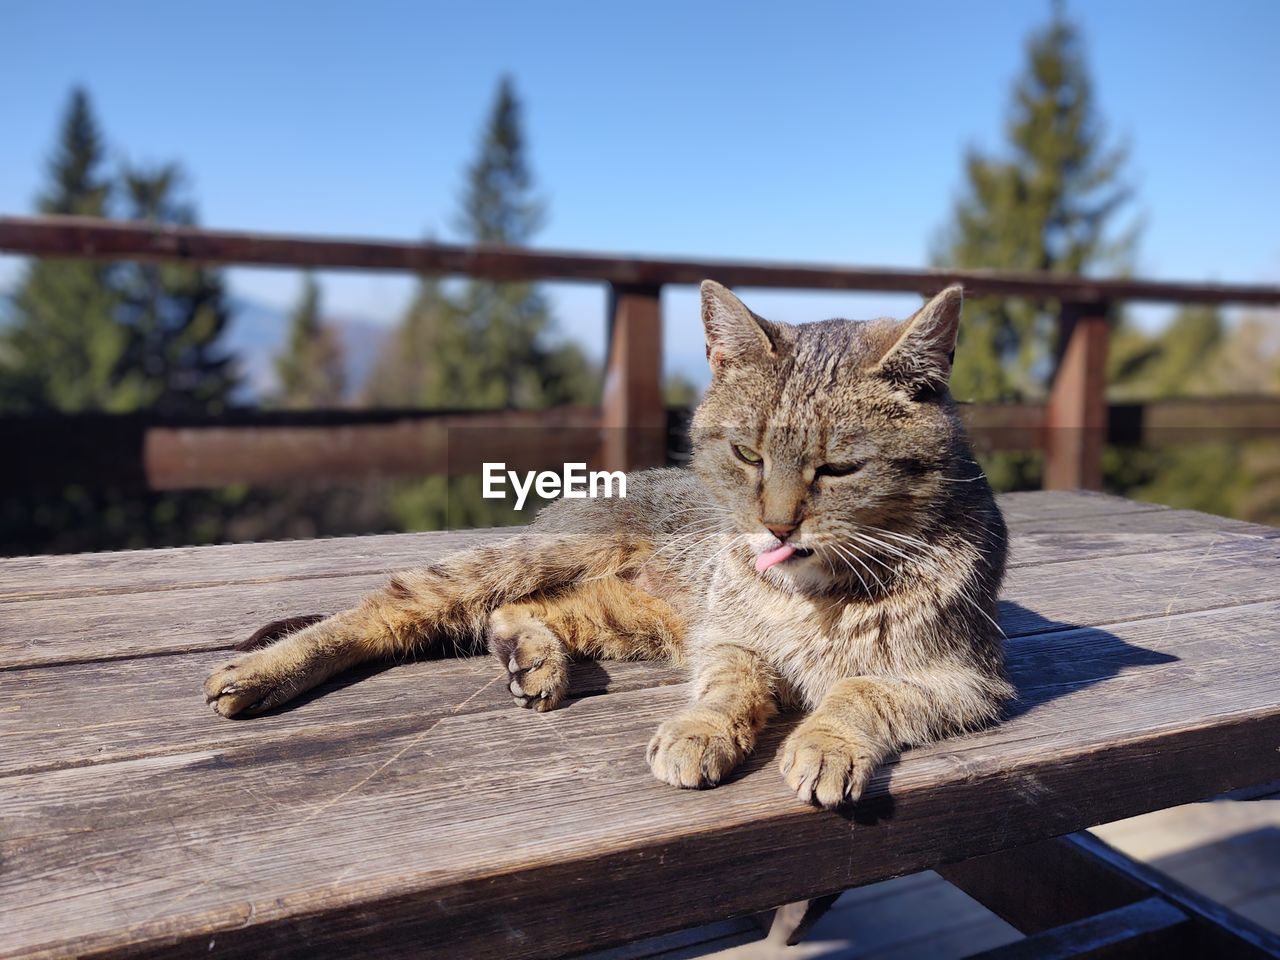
735, 335
921, 358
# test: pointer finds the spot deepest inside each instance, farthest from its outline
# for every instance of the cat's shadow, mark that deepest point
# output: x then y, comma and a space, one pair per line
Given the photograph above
1047, 660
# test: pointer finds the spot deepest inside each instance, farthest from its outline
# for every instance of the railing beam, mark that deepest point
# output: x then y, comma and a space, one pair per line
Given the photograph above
86, 237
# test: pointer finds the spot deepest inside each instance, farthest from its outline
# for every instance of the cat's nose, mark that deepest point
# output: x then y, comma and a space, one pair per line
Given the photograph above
781, 530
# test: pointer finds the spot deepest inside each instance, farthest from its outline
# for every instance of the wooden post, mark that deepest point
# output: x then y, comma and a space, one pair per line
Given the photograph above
1076, 418
634, 416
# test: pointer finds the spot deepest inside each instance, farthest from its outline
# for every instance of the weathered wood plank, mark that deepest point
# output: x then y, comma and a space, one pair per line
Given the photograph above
1096, 591
144, 452
76, 723
78, 629
138, 571
373, 868
1037, 598
1055, 504
127, 571
463, 835
142, 571
1147, 521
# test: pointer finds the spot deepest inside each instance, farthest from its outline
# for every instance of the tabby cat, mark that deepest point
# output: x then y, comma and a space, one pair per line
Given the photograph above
834, 547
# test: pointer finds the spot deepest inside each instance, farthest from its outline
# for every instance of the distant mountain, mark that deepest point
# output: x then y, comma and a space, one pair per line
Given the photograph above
257, 333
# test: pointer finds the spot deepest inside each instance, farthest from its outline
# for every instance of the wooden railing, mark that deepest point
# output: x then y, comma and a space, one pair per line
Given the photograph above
629, 431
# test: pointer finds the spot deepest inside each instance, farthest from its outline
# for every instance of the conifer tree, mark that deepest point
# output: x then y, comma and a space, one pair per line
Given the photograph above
310, 367
409, 372
63, 348
175, 315
488, 345
505, 327
121, 338
1048, 202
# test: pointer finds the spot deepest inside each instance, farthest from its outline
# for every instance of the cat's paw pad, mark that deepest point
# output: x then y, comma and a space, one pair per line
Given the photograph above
826, 767
535, 660
695, 749
242, 687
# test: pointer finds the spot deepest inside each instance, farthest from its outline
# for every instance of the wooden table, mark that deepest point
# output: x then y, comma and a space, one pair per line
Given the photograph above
411, 810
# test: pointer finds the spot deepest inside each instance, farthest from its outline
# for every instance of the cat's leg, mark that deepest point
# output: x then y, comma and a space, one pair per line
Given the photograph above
452, 597
829, 758
734, 696
609, 618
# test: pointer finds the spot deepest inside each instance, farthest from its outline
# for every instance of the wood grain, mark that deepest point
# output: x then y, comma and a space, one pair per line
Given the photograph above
282, 448
1036, 598
127, 571
468, 798
173, 568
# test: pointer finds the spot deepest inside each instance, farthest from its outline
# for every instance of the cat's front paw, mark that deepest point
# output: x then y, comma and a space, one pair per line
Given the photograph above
825, 766
534, 657
695, 749
245, 686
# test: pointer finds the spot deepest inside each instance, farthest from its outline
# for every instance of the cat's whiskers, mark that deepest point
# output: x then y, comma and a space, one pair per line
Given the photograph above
850, 559
934, 568
702, 535
845, 559
858, 555
713, 509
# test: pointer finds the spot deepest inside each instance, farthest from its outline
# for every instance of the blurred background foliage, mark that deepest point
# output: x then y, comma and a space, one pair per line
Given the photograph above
121, 338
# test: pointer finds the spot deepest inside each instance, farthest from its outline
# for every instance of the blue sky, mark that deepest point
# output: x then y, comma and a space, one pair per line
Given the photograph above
820, 132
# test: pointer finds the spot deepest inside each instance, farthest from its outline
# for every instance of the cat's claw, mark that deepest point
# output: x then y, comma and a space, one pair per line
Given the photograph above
824, 767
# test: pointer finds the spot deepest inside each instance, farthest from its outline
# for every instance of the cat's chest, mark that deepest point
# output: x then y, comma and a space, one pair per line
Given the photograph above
811, 643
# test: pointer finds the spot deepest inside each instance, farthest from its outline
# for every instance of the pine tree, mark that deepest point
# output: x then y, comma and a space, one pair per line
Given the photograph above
1048, 203
1178, 361
505, 327
63, 348
408, 372
310, 368
117, 339
489, 345
176, 315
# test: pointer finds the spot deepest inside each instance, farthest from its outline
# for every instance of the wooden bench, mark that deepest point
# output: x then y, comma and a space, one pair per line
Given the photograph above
410, 810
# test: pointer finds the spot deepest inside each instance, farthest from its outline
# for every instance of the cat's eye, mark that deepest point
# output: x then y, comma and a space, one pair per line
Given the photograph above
838, 469
747, 455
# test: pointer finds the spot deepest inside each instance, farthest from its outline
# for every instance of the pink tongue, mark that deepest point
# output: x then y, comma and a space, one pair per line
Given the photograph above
770, 557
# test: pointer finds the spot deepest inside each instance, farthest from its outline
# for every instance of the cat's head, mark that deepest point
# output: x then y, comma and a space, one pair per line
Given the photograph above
830, 446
